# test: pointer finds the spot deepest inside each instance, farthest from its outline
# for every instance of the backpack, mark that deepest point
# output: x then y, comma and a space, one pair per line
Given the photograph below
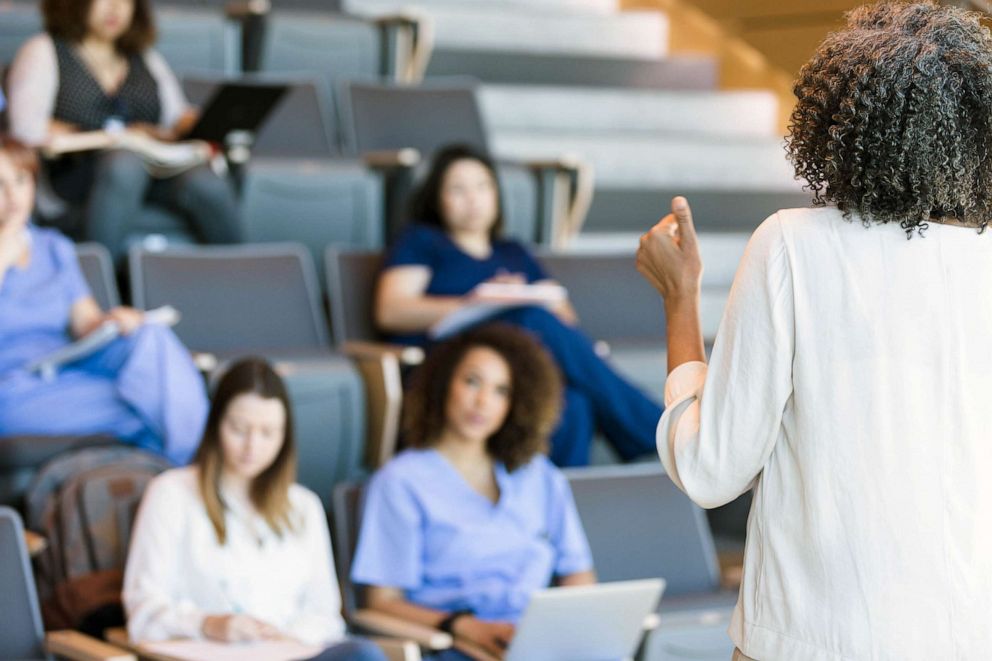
84, 502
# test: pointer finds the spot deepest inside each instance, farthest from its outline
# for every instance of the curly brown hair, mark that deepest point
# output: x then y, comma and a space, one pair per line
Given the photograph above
68, 20
893, 120
535, 397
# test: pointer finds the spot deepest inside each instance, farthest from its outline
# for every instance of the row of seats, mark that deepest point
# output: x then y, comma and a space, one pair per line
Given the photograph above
664, 534
268, 299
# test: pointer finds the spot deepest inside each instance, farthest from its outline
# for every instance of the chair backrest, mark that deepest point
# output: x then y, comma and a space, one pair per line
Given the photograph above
593, 282
234, 298
198, 40
351, 278
346, 521
333, 47
21, 634
19, 21
97, 267
296, 128
640, 525
425, 117
317, 203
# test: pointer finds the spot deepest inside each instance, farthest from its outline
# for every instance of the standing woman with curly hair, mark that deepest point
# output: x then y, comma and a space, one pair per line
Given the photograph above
462, 528
94, 69
850, 377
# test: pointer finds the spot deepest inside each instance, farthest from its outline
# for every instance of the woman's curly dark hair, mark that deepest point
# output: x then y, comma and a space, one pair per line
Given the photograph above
894, 117
535, 393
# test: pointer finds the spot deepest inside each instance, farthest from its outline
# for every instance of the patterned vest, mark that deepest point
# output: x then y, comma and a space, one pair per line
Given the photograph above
82, 102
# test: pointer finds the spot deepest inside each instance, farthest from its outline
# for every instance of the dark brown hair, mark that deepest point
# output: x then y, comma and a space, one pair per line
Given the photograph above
68, 20
535, 393
425, 207
892, 121
270, 490
22, 156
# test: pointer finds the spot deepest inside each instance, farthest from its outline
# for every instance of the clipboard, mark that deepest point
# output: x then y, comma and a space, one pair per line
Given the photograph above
236, 106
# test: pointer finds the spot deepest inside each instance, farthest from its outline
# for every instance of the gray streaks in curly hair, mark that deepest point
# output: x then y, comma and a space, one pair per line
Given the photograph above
894, 117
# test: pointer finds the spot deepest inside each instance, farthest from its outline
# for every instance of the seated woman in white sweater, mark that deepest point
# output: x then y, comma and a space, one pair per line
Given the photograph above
230, 548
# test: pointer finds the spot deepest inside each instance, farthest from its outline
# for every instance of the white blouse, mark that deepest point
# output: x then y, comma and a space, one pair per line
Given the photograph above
177, 573
33, 84
850, 384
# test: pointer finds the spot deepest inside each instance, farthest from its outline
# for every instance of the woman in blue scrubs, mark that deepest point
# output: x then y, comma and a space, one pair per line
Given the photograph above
459, 530
453, 246
142, 388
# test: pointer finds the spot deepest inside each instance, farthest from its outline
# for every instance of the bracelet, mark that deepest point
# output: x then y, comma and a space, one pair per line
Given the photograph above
447, 625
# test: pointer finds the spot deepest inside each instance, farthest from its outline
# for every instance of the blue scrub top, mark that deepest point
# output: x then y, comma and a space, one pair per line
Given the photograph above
35, 302
453, 271
427, 532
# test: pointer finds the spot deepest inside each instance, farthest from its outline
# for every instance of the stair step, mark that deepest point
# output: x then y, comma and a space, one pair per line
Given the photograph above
554, 108
713, 211
721, 251
633, 34
694, 72
577, 6
622, 160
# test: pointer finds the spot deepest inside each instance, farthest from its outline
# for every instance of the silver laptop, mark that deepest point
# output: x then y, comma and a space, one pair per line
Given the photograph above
601, 622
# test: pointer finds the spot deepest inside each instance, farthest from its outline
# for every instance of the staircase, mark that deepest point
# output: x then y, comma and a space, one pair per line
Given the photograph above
584, 77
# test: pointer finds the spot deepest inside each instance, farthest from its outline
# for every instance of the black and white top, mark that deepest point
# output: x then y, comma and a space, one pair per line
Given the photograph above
82, 102
48, 81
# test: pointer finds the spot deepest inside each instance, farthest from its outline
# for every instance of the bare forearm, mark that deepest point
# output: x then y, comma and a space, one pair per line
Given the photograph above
415, 315
685, 335
405, 610
578, 578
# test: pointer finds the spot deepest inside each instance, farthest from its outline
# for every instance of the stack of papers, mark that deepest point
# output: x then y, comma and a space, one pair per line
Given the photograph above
491, 298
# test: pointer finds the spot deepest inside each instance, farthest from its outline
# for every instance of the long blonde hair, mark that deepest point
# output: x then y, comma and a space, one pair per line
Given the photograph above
269, 492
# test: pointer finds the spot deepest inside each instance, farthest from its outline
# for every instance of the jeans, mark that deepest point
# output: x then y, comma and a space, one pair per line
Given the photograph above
121, 187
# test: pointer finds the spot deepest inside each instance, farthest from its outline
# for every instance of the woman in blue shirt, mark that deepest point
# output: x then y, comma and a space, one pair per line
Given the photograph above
142, 388
455, 245
459, 531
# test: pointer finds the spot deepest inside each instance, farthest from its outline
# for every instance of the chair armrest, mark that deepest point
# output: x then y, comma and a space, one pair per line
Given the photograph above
409, 38
205, 362
237, 9
407, 356
392, 159
382, 377
566, 184
397, 650
34, 543
80, 647
389, 625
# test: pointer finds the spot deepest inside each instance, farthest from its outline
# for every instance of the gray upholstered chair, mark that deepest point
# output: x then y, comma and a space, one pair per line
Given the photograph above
640, 525
264, 299
21, 634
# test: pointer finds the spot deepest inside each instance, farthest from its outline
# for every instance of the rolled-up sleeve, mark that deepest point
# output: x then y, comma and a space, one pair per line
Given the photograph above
170, 92
721, 422
32, 85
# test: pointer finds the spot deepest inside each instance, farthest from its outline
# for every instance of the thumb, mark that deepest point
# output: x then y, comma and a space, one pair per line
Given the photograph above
683, 216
